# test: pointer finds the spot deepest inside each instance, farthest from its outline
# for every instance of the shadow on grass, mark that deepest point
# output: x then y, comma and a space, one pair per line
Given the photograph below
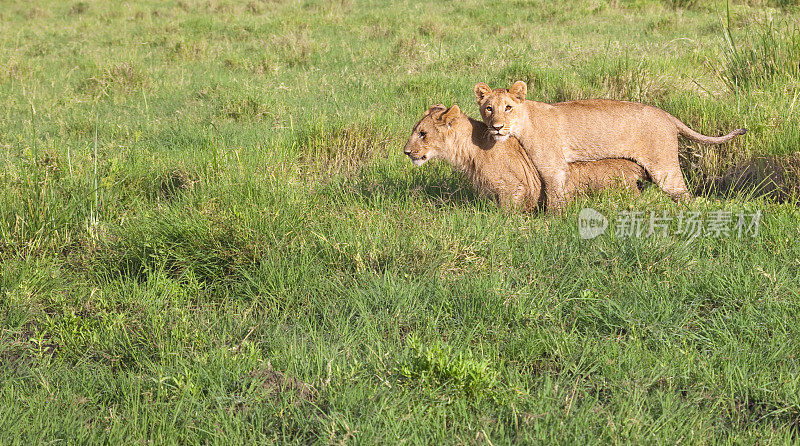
772, 177
437, 184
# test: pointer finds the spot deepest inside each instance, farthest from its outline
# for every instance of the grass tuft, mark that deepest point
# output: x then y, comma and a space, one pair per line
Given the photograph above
189, 49
78, 8
245, 108
38, 13
341, 150
11, 70
295, 48
682, 4
122, 78
267, 383
176, 182
436, 364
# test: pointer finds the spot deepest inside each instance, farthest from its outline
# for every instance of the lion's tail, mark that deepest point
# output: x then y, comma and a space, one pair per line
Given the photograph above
684, 130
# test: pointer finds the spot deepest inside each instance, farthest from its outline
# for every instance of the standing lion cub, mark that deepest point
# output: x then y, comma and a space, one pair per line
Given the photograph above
554, 135
501, 169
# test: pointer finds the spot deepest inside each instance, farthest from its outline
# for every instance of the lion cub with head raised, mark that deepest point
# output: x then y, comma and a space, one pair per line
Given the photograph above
554, 135
502, 169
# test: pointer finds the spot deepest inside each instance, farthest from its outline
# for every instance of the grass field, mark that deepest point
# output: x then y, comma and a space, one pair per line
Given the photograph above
209, 232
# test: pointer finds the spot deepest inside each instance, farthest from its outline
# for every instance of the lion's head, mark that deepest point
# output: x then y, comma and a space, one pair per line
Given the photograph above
502, 109
429, 137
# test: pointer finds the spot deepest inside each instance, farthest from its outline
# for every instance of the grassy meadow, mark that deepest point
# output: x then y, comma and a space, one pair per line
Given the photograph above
209, 232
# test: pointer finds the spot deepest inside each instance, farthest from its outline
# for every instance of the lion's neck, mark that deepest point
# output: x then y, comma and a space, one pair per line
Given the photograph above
541, 123
467, 149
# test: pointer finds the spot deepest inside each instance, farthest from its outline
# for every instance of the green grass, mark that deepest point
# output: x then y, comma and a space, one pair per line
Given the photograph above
209, 233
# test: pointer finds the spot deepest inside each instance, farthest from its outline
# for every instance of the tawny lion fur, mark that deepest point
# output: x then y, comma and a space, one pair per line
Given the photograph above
502, 169
554, 135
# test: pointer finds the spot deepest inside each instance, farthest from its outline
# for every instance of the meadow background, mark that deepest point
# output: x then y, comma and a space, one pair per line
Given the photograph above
209, 233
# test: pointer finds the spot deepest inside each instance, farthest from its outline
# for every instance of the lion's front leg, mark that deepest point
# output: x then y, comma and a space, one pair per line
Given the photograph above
554, 172
556, 191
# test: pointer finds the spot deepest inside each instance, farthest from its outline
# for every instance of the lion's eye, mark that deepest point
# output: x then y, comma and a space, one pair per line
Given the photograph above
508, 108
422, 135
489, 109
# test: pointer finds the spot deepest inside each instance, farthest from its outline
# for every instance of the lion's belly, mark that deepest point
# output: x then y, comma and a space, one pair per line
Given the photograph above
609, 144
594, 153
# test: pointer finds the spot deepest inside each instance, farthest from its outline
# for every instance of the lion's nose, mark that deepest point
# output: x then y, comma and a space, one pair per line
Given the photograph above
497, 127
407, 151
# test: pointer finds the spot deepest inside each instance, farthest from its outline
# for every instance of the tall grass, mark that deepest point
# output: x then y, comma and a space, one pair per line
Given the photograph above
765, 55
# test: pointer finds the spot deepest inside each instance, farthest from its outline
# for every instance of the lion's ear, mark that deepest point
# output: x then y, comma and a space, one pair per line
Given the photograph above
450, 115
481, 90
435, 108
519, 90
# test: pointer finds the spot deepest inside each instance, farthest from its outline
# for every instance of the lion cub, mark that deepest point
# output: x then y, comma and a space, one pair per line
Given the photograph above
501, 169
554, 135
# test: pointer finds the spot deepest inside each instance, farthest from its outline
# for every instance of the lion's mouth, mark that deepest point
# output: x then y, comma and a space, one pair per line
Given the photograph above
500, 136
418, 161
